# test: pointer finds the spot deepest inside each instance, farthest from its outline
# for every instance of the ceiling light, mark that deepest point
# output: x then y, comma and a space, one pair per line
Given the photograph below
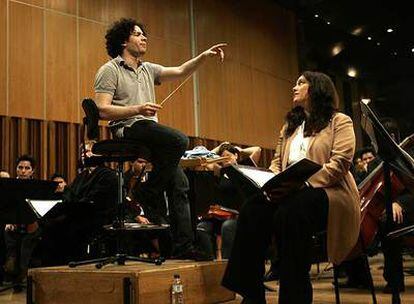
412, 50
352, 72
378, 43
328, 22
357, 31
369, 38
337, 48
395, 53
316, 16
390, 30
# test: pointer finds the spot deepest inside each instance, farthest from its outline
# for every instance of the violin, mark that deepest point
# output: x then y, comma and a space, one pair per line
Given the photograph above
372, 195
220, 212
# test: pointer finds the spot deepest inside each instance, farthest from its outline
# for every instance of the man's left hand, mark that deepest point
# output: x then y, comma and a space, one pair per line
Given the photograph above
216, 50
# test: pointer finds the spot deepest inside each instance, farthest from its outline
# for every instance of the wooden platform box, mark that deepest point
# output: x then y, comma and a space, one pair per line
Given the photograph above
138, 283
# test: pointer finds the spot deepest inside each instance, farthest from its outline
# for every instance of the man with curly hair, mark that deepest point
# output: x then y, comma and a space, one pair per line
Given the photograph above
125, 95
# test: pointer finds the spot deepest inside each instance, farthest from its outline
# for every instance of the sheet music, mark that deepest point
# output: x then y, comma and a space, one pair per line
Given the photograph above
260, 177
41, 207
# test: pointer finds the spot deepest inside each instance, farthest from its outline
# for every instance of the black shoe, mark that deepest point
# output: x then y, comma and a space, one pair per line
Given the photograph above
387, 289
252, 301
193, 254
271, 275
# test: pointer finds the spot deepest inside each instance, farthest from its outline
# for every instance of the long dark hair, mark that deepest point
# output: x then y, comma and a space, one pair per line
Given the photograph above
323, 103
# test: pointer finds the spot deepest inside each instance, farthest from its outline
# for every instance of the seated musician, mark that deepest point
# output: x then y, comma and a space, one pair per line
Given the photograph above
3, 174
88, 203
59, 178
328, 201
402, 215
218, 227
135, 177
28, 235
172, 207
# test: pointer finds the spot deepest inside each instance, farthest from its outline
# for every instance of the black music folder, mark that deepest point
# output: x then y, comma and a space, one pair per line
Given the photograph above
253, 180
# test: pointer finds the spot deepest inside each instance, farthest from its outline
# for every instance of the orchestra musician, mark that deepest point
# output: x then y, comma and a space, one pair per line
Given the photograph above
124, 93
149, 242
89, 203
402, 216
25, 235
329, 200
218, 227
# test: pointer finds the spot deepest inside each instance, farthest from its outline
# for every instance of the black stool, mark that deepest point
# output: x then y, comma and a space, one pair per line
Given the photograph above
119, 151
320, 255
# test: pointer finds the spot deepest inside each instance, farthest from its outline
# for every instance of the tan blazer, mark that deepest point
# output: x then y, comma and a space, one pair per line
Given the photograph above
333, 148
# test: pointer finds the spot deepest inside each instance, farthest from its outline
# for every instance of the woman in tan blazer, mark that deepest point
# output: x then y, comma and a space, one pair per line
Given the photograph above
328, 201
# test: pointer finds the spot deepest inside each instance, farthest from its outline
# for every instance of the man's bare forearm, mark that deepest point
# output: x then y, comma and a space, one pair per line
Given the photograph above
114, 112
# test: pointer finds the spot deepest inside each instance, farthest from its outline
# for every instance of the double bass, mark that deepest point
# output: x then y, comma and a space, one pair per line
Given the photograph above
372, 195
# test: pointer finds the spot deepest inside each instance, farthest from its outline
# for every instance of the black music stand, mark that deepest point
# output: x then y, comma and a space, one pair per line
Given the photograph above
14, 208
394, 159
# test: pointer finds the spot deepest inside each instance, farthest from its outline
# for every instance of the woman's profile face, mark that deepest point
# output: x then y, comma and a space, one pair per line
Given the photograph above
301, 92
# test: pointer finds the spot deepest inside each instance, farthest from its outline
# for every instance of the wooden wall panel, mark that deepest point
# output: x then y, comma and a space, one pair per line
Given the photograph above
122, 9
33, 2
92, 54
166, 19
61, 68
94, 9
64, 6
26, 62
245, 103
168, 29
3, 58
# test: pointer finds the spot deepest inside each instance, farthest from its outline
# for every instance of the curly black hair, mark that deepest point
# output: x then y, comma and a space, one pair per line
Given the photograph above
323, 100
26, 157
118, 34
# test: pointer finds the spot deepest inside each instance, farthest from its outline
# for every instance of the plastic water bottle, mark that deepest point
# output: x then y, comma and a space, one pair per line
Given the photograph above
177, 294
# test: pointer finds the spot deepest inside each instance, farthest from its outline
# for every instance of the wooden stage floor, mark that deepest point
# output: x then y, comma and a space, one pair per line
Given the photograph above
323, 289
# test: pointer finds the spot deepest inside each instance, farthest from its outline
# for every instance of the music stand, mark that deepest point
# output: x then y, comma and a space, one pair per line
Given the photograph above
14, 208
395, 159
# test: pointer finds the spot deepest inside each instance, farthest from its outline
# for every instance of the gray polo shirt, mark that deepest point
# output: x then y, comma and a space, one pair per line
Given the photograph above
128, 86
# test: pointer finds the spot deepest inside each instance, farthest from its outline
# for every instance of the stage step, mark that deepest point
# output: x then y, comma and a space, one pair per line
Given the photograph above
135, 282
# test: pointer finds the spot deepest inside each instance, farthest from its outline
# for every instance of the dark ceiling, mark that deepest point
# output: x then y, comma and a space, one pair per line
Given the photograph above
385, 64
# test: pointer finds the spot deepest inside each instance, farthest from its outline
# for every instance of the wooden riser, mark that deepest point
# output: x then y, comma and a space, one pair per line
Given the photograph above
150, 284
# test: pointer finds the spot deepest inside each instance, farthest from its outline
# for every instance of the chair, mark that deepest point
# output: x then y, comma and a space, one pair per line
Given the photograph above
319, 255
118, 151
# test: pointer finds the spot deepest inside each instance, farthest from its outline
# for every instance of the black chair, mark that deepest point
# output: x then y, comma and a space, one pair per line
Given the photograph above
118, 151
320, 256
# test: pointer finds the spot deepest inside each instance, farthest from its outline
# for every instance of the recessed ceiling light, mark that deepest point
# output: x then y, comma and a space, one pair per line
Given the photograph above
357, 31
328, 22
412, 50
369, 38
316, 16
395, 53
390, 30
378, 43
352, 72
337, 48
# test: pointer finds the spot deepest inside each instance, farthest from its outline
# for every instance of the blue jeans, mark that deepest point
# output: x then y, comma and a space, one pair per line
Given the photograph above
207, 230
